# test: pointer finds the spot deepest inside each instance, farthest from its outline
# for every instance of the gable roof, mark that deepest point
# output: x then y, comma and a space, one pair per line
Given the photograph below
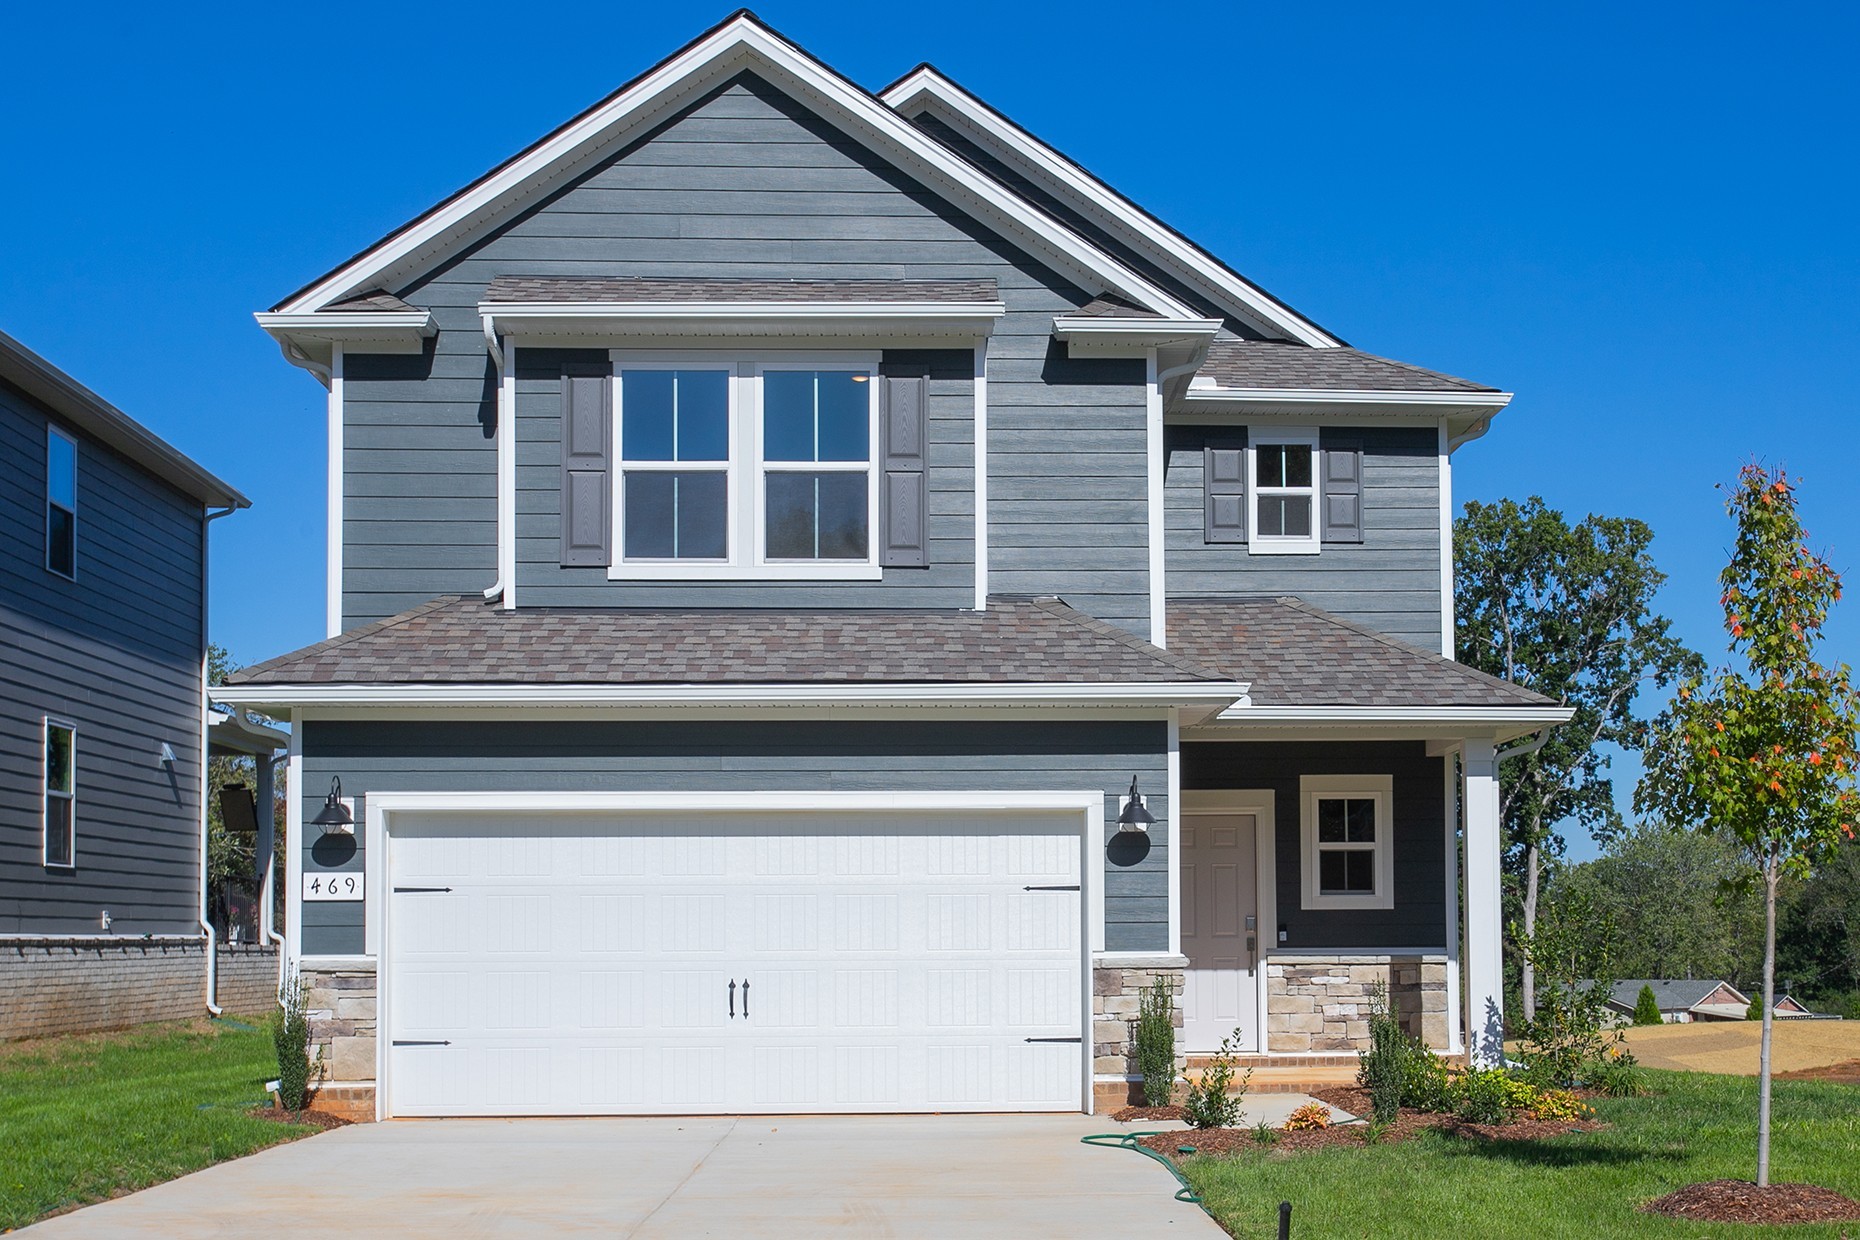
742, 42
1672, 994
104, 422
1280, 366
928, 89
1293, 654
464, 640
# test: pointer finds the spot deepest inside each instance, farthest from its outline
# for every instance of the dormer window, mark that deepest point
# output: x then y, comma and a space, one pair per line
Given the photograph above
1282, 482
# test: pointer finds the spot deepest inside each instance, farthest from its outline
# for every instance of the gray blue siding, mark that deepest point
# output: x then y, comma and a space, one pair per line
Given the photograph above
117, 653
786, 755
1389, 582
745, 182
1419, 808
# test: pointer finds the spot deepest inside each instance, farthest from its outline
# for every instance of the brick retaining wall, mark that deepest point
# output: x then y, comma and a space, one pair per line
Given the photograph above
52, 986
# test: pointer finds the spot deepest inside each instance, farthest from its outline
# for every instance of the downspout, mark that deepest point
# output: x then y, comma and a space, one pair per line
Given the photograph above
206, 926
495, 592
1531, 746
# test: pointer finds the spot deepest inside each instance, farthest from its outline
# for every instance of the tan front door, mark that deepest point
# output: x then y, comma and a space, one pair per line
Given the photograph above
1220, 936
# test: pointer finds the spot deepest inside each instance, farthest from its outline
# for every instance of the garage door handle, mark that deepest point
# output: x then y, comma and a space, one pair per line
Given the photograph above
422, 889
417, 1042
732, 998
1052, 1039
1073, 887
745, 998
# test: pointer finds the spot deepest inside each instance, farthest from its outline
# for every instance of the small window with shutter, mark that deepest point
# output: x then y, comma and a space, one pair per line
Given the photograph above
1283, 491
1342, 490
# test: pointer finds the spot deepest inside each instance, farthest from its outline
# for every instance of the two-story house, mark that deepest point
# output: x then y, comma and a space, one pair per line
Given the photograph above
103, 719
828, 599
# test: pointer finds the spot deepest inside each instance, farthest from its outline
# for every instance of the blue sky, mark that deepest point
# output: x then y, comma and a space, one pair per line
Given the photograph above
1640, 218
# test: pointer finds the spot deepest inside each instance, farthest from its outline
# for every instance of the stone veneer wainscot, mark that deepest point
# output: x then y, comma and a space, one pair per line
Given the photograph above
340, 1006
1318, 1003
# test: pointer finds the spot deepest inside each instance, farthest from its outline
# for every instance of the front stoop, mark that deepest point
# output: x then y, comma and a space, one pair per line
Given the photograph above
355, 1103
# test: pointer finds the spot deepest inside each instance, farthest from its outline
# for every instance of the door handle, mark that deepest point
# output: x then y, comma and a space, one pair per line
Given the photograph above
733, 998
745, 998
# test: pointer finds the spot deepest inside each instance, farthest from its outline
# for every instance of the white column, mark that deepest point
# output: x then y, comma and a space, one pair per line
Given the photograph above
1484, 960
1456, 1039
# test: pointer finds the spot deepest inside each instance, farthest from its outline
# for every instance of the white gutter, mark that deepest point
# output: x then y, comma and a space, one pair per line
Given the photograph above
206, 926
506, 436
1542, 716
1528, 747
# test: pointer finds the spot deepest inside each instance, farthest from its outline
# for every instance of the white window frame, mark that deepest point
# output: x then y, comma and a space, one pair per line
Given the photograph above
46, 794
746, 469
1282, 544
1380, 789
621, 465
51, 433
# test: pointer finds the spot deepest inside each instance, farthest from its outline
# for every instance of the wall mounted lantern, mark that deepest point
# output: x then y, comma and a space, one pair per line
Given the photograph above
1135, 819
334, 817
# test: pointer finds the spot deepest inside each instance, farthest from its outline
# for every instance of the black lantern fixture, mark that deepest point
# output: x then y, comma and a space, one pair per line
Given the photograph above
334, 817
1135, 819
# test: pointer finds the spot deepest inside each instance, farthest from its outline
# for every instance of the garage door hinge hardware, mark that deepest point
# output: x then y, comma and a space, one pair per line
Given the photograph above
1073, 887
1052, 1039
417, 1042
422, 889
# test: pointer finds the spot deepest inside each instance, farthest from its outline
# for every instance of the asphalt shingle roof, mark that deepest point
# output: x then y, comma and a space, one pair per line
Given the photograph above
375, 301
1671, 994
463, 640
700, 289
1276, 364
1295, 654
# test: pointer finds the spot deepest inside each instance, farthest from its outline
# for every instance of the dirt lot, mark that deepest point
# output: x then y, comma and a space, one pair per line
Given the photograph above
1802, 1047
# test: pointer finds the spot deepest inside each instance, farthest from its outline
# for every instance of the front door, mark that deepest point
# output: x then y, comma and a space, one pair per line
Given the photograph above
1220, 934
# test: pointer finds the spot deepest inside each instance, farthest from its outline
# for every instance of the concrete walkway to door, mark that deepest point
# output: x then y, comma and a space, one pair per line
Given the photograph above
926, 1175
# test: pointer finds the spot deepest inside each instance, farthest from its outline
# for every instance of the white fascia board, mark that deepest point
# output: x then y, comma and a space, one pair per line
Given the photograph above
944, 320
1089, 335
783, 802
395, 331
1319, 399
926, 86
1494, 723
1185, 693
741, 43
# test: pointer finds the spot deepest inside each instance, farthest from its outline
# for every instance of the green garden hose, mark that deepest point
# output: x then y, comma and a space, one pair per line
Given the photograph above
1128, 1141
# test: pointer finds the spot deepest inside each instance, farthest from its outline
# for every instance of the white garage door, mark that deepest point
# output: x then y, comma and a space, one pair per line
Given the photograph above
574, 965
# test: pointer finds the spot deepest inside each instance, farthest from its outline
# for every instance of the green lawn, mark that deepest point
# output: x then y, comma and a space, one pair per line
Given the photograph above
86, 1118
1693, 1128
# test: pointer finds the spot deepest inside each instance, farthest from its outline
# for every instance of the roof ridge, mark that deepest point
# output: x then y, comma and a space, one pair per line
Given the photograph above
1054, 605
1395, 643
346, 638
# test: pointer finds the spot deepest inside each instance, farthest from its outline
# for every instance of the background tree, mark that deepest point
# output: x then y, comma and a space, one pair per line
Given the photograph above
1707, 920
1818, 934
1568, 612
1765, 752
230, 858
1647, 1008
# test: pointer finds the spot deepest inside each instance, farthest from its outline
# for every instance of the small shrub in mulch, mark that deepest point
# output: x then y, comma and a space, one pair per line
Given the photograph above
1740, 1201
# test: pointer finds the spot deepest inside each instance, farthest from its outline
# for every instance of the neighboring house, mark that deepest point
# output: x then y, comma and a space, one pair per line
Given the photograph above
774, 529
1685, 1000
103, 635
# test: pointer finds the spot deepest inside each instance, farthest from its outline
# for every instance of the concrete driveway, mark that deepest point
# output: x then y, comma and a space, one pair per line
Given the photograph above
930, 1175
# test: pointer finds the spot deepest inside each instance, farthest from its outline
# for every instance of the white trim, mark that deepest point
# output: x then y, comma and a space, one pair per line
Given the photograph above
352, 325
333, 489
1173, 693
1172, 829
980, 434
293, 849
1262, 803
53, 432
739, 43
507, 479
1447, 619
1047, 165
1284, 544
384, 806
1484, 933
1353, 396
46, 724
1377, 788
930, 320
1456, 1042
1155, 516
1533, 716
1088, 335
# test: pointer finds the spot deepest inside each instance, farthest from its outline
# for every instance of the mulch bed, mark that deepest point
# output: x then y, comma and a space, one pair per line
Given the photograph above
1740, 1201
1350, 1099
1847, 1073
321, 1119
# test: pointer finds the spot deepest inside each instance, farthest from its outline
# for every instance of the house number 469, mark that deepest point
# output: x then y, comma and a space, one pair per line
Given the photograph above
332, 886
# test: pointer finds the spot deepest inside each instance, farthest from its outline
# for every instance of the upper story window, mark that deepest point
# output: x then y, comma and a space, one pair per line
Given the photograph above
60, 805
745, 468
1346, 832
1283, 468
60, 503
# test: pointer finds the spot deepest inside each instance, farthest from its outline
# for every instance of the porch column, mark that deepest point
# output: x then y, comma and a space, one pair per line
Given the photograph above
265, 845
1484, 961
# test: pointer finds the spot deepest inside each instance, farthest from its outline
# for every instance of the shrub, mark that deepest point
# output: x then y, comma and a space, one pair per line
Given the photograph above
1618, 1075
1647, 1008
1311, 1115
1384, 1066
1427, 1085
1156, 1042
1558, 1104
1755, 1010
1374, 1131
1481, 1095
290, 1037
1574, 1025
1265, 1134
1214, 1100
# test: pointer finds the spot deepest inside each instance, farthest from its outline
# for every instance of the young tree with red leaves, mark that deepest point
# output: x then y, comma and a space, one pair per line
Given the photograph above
1765, 753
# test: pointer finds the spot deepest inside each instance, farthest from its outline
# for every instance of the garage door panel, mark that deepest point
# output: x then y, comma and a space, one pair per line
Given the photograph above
583, 965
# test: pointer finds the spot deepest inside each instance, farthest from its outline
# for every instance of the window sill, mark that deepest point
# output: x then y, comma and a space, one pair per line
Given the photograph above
745, 572
1336, 903
1283, 548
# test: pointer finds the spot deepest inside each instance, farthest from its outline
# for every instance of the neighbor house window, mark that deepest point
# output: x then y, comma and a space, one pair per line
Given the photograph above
745, 468
1346, 833
60, 503
1282, 468
60, 793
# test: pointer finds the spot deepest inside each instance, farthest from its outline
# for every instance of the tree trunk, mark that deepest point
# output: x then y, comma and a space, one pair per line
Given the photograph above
1527, 975
1769, 1017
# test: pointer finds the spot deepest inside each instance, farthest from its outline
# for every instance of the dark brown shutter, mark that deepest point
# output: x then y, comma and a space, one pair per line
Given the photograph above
904, 502
587, 488
1223, 492
1343, 491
